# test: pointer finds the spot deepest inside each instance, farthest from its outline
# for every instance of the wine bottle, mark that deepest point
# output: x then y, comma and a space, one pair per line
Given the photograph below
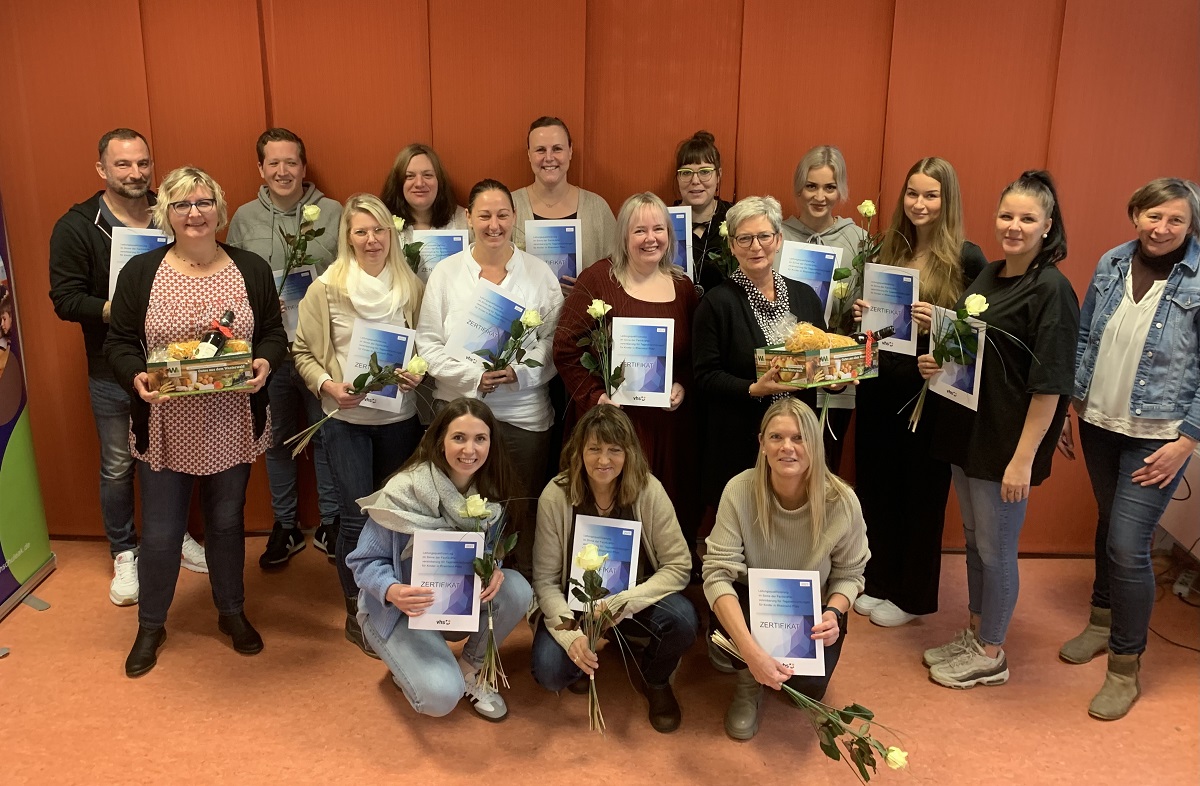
875, 335
213, 341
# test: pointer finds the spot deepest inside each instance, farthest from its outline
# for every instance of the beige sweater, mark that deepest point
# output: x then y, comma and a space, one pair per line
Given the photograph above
737, 543
661, 537
597, 223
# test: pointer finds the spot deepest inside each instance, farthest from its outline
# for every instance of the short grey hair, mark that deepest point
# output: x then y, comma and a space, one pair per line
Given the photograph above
754, 207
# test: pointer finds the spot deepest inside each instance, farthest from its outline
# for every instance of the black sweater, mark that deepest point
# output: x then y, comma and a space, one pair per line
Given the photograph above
125, 348
724, 337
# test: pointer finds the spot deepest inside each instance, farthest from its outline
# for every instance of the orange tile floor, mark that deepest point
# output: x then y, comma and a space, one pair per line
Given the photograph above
312, 709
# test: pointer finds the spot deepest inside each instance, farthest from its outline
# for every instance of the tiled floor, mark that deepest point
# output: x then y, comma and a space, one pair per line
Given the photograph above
312, 709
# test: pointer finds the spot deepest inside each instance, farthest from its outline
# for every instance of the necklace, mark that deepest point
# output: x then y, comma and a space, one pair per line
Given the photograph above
703, 250
555, 202
191, 263
604, 511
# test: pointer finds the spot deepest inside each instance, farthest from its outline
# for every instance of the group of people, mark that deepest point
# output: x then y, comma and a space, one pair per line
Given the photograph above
768, 480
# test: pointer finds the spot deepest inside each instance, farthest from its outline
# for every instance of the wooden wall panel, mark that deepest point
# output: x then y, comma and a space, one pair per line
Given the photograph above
352, 81
492, 74
653, 80
974, 84
53, 115
827, 91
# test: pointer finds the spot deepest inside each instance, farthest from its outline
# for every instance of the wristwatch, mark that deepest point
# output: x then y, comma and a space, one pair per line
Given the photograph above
841, 615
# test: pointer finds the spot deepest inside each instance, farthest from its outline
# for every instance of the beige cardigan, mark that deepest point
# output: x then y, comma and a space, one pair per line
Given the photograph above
665, 548
597, 224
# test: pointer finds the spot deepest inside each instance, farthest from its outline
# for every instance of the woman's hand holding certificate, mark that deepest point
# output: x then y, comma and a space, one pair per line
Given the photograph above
413, 601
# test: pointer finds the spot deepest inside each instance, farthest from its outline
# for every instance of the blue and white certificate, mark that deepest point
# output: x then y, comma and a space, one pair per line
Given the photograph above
784, 607
392, 345
127, 243
444, 561
291, 292
891, 291
646, 347
811, 264
681, 219
436, 245
963, 365
618, 538
487, 323
557, 242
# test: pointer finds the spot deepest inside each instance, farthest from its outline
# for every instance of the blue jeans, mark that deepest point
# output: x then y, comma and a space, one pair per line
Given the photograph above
992, 528
362, 458
110, 408
293, 406
670, 626
422, 664
166, 498
1128, 515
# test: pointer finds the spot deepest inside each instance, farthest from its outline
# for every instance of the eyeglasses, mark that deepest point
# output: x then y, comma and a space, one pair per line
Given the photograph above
363, 234
705, 174
763, 238
183, 208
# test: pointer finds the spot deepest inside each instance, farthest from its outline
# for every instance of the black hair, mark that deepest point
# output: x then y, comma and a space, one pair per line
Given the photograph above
1038, 184
698, 148
488, 184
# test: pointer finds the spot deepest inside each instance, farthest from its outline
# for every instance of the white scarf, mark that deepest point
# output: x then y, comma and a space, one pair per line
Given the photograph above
374, 298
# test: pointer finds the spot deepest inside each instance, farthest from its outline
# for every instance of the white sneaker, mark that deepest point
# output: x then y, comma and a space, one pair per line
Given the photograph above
123, 591
957, 646
970, 668
865, 604
889, 615
193, 555
487, 703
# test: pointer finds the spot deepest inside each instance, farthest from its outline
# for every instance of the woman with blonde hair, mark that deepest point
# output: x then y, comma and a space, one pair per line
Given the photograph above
904, 501
789, 512
641, 280
368, 281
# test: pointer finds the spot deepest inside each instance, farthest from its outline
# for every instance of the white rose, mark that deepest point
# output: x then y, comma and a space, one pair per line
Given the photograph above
598, 309
531, 318
867, 208
398, 223
311, 213
975, 304
840, 290
897, 759
723, 231
475, 507
590, 558
417, 365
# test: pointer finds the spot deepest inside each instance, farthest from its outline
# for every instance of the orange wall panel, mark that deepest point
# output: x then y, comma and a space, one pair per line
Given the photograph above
827, 90
352, 81
656, 74
492, 75
53, 115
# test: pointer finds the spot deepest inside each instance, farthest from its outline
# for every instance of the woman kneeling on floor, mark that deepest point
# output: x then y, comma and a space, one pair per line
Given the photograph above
460, 455
604, 473
787, 513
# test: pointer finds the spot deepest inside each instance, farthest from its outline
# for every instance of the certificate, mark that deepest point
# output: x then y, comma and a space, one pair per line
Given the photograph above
811, 264
557, 242
436, 245
646, 347
444, 561
784, 606
486, 325
621, 540
681, 219
291, 292
891, 291
961, 356
392, 345
127, 243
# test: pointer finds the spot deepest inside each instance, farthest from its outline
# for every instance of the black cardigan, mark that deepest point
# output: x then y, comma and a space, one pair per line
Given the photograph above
724, 337
125, 347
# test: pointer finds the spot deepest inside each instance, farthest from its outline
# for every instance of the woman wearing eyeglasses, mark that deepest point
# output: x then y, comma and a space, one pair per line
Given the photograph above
698, 178
172, 294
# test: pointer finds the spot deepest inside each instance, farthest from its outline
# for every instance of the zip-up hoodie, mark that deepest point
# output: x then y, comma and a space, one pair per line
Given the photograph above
255, 227
844, 233
80, 247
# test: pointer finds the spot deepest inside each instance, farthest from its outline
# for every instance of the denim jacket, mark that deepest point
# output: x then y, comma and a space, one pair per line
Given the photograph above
1168, 371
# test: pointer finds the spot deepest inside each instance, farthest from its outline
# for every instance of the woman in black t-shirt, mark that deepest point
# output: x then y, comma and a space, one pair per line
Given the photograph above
1003, 448
698, 178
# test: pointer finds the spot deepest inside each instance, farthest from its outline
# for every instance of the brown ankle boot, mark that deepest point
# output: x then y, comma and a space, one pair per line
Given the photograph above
1120, 689
1093, 640
741, 719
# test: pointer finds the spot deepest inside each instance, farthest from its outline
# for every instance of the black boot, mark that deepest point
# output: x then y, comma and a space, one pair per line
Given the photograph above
245, 638
664, 709
354, 632
144, 654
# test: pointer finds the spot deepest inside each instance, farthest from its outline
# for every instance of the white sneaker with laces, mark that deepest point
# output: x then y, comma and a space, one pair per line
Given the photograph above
970, 668
957, 646
193, 557
487, 703
123, 591
889, 615
865, 604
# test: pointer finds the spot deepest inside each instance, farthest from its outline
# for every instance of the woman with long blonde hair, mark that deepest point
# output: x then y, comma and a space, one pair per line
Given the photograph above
368, 281
789, 512
904, 499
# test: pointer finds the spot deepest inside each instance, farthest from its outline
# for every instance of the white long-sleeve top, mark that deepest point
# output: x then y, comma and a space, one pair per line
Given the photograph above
525, 403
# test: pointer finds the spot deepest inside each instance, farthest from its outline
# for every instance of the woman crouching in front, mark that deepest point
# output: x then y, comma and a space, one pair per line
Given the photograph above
787, 513
460, 455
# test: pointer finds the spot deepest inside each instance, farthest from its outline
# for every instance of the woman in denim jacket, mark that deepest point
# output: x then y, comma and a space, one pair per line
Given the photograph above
1137, 393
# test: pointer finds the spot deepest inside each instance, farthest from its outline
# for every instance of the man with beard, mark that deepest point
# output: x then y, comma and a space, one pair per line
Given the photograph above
80, 247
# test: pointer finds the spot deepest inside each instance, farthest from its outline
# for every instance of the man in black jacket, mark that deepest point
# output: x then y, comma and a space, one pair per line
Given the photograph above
80, 247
